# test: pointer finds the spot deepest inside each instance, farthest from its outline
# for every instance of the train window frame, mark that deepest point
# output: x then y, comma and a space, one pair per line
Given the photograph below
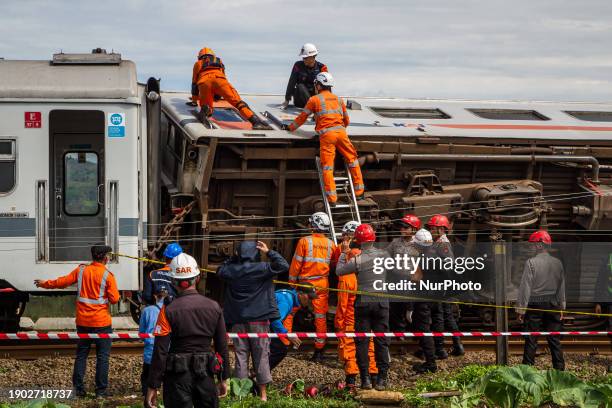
65, 189
175, 142
436, 113
581, 115
483, 112
10, 158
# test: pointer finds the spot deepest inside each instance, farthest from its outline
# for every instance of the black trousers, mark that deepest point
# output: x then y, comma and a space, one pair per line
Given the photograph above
543, 321
372, 316
278, 352
421, 321
144, 377
397, 316
187, 390
443, 319
301, 94
103, 351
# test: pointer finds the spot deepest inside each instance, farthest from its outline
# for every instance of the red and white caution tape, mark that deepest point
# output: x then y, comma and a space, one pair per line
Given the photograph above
302, 335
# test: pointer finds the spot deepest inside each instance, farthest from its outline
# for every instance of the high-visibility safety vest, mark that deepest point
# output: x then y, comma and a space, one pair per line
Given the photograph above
312, 258
328, 110
96, 288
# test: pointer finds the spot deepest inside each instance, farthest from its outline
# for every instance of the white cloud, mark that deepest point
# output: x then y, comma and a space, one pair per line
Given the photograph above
524, 49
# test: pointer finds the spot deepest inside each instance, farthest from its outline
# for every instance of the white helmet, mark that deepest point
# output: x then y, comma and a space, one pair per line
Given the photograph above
325, 79
308, 50
422, 238
183, 266
350, 227
320, 221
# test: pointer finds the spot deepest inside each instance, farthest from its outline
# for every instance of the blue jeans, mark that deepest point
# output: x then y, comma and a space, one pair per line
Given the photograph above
103, 349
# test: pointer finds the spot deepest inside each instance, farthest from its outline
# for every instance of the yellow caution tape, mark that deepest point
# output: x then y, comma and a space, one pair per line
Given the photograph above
392, 296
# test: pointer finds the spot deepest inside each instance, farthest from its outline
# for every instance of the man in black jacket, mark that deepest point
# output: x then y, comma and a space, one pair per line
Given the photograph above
303, 74
250, 306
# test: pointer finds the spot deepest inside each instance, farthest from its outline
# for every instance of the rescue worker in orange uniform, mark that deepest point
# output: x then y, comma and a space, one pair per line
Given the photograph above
96, 288
310, 264
209, 80
344, 321
331, 121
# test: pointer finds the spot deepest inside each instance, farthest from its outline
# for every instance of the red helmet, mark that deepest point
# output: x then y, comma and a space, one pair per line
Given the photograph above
541, 236
411, 220
438, 220
365, 233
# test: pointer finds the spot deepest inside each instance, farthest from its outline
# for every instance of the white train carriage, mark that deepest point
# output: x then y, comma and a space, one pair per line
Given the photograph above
71, 154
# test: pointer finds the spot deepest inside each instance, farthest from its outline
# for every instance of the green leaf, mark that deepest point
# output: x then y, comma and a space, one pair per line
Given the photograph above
241, 387
526, 380
567, 389
298, 386
501, 394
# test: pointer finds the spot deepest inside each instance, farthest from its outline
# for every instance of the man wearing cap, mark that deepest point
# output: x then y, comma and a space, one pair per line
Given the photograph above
542, 287
96, 289
159, 280
182, 357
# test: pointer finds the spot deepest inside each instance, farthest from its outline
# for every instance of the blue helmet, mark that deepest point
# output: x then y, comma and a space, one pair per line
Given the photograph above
172, 250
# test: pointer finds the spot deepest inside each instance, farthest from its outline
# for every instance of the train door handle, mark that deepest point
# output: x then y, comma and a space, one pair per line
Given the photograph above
58, 204
100, 194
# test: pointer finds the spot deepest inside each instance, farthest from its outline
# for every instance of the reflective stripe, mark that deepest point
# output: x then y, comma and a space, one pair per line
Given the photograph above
329, 251
298, 258
313, 259
330, 193
293, 278
309, 240
307, 111
353, 164
325, 111
306, 278
328, 168
319, 315
359, 186
100, 300
323, 131
318, 340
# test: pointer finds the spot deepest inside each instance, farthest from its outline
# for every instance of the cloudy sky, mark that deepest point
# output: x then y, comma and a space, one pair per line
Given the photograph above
471, 49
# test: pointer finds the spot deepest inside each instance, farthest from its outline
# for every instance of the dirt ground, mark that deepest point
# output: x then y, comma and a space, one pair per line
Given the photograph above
125, 372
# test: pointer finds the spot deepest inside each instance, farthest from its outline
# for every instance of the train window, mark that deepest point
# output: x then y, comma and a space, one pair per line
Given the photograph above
591, 116
409, 113
227, 115
508, 114
81, 183
8, 166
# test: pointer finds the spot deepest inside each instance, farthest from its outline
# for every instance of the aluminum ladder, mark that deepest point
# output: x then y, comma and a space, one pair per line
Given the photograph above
346, 208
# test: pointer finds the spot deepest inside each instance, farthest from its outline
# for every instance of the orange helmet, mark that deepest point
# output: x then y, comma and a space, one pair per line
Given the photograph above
439, 220
541, 236
205, 51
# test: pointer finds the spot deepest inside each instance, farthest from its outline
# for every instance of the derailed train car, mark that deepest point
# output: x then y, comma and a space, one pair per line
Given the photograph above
89, 155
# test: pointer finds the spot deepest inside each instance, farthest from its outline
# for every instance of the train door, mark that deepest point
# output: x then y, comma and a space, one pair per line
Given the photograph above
76, 180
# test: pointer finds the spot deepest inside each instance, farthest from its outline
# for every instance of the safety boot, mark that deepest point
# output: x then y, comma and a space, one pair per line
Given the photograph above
317, 356
457, 349
366, 381
441, 354
351, 380
373, 377
426, 367
257, 123
381, 381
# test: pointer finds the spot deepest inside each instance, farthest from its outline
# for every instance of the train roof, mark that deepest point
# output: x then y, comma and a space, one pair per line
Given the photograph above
396, 117
107, 77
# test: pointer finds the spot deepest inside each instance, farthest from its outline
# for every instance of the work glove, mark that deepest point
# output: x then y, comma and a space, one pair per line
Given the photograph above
285, 127
284, 105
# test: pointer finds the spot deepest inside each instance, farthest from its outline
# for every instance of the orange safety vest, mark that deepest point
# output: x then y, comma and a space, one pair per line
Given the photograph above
329, 113
312, 257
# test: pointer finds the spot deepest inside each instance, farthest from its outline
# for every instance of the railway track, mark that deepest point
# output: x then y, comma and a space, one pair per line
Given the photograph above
35, 349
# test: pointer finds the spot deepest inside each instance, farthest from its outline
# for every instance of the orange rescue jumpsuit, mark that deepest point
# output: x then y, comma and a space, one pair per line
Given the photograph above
311, 264
209, 76
331, 122
345, 319
96, 288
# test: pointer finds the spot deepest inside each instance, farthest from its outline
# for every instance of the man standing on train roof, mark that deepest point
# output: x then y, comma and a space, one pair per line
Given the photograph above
408, 225
442, 315
96, 289
331, 121
303, 74
209, 80
311, 264
542, 287
159, 280
186, 329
